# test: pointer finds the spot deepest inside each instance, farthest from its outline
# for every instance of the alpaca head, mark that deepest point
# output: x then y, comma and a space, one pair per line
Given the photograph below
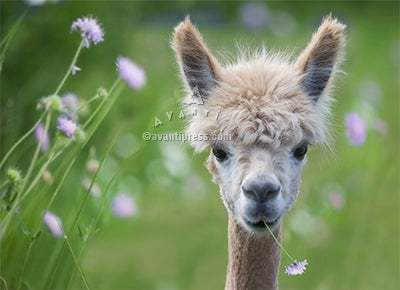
257, 117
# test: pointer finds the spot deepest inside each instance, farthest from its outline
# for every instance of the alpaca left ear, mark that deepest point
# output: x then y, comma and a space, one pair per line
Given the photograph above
199, 68
319, 61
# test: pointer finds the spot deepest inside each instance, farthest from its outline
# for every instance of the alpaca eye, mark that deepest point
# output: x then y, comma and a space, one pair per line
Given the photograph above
220, 154
300, 151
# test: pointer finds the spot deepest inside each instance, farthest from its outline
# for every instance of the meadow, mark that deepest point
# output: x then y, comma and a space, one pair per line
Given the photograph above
174, 234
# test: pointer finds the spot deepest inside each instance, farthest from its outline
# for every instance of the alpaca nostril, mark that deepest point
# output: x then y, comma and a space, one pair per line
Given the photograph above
249, 193
261, 191
273, 190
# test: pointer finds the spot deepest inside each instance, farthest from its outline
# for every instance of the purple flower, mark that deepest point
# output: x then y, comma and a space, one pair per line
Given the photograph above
254, 15
130, 72
42, 136
356, 129
337, 200
90, 30
380, 126
336, 196
75, 69
123, 206
296, 268
53, 223
71, 104
66, 126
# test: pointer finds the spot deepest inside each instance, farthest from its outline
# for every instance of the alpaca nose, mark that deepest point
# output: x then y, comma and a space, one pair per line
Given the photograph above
261, 191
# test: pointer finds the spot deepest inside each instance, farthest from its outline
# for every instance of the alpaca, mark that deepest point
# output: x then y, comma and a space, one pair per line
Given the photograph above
273, 109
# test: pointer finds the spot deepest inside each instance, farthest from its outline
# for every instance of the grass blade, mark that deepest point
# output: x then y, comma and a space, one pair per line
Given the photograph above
8, 38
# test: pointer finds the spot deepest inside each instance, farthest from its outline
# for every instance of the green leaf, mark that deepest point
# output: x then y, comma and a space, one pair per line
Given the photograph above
25, 229
81, 233
36, 235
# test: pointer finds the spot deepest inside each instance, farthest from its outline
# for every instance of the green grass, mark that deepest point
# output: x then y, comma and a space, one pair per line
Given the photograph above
179, 238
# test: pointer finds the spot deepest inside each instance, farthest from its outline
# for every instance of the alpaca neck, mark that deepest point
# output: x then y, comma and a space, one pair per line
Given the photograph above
253, 261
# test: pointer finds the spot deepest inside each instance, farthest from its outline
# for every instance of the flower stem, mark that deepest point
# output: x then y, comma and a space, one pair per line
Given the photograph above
92, 183
39, 175
70, 68
33, 162
96, 219
80, 209
71, 278
276, 241
75, 157
21, 139
101, 104
24, 264
76, 262
36, 154
6, 220
85, 104
103, 113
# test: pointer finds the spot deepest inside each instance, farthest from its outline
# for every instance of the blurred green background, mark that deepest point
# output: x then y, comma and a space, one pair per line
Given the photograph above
346, 219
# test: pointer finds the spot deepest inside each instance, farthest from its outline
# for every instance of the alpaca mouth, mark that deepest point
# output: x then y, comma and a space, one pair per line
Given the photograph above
260, 225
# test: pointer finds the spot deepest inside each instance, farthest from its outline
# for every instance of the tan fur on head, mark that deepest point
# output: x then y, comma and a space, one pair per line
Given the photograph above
263, 93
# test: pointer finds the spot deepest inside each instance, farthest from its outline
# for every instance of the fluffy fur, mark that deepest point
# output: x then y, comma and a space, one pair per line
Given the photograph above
268, 104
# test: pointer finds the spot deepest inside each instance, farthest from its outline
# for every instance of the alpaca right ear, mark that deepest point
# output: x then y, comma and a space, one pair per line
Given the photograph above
199, 68
319, 61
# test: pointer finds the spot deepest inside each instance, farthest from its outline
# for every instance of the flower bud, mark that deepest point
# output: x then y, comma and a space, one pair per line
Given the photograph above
52, 102
102, 92
92, 166
47, 177
15, 177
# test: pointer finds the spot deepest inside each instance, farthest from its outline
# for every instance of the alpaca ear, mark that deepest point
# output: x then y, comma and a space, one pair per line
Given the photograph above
319, 61
199, 68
